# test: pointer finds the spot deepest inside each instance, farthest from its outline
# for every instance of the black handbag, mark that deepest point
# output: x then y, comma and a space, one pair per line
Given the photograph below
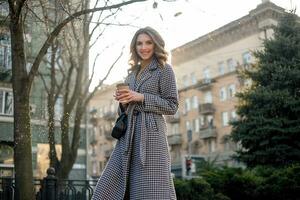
120, 126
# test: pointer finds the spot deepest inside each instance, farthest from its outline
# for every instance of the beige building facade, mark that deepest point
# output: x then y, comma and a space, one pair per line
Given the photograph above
206, 71
103, 113
207, 76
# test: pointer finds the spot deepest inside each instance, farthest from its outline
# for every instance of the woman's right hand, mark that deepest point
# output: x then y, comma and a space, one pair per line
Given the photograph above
126, 96
119, 94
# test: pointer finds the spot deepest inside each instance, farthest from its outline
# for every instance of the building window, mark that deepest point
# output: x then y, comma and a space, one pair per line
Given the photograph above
196, 125
231, 64
104, 109
4, 9
248, 82
187, 105
101, 165
231, 90
185, 80
94, 167
100, 114
225, 118
208, 97
188, 125
211, 145
6, 160
5, 52
233, 115
202, 121
223, 95
6, 102
246, 58
221, 66
195, 102
210, 120
206, 73
112, 107
58, 108
193, 78
175, 128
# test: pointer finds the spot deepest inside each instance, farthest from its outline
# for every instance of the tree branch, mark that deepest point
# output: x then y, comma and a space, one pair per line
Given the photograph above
101, 81
44, 82
58, 29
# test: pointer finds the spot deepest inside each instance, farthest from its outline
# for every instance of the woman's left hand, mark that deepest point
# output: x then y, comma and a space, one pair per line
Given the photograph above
125, 96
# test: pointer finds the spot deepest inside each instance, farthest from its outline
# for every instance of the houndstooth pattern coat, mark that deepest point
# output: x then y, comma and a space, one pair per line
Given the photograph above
141, 160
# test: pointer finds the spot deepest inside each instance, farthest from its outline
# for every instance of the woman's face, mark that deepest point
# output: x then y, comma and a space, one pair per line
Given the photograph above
144, 46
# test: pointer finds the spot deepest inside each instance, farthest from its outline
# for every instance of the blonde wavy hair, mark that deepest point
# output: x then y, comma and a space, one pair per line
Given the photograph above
159, 47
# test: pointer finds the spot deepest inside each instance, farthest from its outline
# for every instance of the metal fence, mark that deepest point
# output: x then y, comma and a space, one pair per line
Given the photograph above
50, 188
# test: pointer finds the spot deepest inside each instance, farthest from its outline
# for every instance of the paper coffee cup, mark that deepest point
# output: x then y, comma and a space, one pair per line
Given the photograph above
122, 86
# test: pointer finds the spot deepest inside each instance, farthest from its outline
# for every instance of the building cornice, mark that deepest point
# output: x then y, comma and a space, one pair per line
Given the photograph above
234, 31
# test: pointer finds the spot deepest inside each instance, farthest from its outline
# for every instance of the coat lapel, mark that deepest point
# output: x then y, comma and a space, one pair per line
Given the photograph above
131, 81
146, 74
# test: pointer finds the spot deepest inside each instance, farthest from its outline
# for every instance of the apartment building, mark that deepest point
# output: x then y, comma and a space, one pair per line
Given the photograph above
34, 37
206, 70
6, 97
103, 116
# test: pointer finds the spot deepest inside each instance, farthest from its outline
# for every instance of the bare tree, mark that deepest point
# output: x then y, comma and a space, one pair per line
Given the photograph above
75, 42
22, 83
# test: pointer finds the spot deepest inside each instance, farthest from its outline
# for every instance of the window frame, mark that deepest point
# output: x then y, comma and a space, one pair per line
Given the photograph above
4, 99
225, 121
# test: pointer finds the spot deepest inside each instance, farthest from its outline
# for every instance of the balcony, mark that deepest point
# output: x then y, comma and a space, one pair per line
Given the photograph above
206, 108
173, 119
205, 84
175, 139
109, 116
107, 134
93, 140
5, 75
208, 132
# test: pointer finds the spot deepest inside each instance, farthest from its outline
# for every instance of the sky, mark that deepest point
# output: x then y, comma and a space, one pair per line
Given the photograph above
178, 22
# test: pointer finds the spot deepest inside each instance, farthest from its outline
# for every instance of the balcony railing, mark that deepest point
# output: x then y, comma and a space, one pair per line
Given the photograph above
175, 139
206, 108
208, 132
205, 84
93, 140
5, 75
173, 119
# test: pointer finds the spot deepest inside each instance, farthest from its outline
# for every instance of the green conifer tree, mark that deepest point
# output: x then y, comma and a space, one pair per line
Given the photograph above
268, 127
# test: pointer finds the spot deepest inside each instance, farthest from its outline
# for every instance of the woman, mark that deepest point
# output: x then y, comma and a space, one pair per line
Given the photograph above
139, 167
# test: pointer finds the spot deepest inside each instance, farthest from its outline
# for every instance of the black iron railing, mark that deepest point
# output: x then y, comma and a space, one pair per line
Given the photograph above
50, 188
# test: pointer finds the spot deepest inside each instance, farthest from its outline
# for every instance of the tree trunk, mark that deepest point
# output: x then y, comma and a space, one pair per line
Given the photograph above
65, 145
51, 132
54, 162
22, 132
68, 162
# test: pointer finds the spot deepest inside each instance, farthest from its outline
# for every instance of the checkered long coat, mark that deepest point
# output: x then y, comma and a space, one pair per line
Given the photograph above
141, 160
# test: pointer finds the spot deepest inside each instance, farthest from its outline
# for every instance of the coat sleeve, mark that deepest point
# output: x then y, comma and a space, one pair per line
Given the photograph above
166, 102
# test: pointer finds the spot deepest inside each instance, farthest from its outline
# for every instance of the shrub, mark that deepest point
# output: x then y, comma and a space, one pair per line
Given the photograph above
196, 189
